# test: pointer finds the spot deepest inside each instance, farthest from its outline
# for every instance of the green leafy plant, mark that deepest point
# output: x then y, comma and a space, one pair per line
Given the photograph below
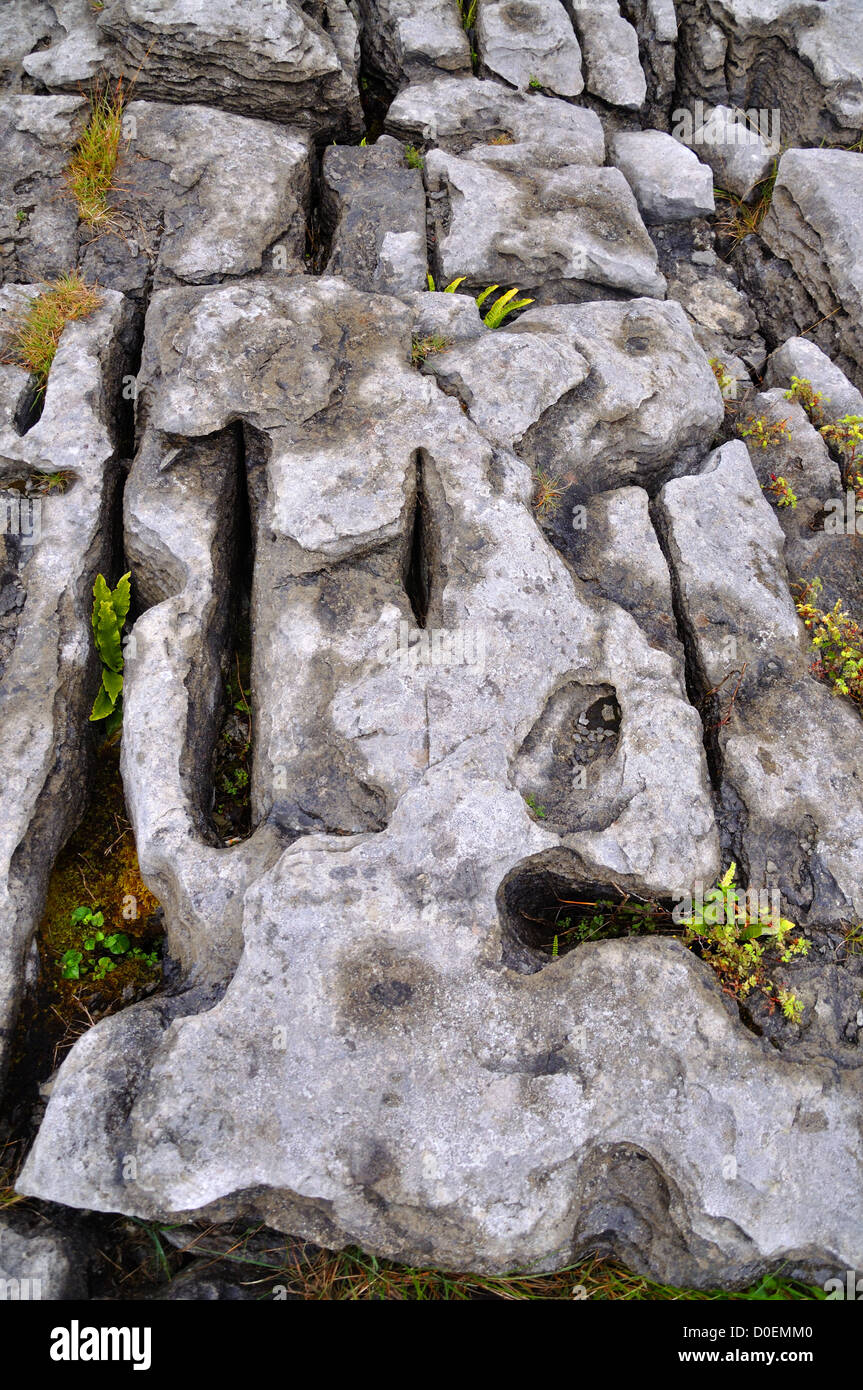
802, 393
762, 433
538, 810
448, 289
535, 84
421, 348
838, 641
110, 607
21, 215
504, 304
846, 435
414, 157
75, 963
467, 10
781, 490
728, 929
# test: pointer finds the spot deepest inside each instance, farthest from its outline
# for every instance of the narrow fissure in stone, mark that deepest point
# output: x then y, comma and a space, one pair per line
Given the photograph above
419, 567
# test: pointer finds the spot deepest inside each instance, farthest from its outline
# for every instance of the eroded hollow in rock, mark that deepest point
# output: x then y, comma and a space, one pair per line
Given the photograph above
565, 765
546, 912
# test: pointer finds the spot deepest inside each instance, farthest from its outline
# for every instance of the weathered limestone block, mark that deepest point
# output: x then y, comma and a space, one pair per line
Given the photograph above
24, 24
530, 41
740, 157
799, 59
38, 1263
655, 23
564, 225
202, 196
648, 408
804, 359
376, 206
38, 217
793, 805
76, 54
609, 46
669, 181
390, 1001
405, 39
259, 59
490, 122
53, 547
815, 222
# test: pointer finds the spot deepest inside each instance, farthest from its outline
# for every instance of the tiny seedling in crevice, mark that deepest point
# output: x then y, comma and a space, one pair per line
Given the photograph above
414, 157
110, 608
539, 811
547, 492
34, 334
421, 348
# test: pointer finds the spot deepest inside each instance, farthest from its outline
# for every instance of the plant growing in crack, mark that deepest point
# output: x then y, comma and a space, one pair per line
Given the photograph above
91, 171
812, 401
421, 348
110, 609
547, 492
539, 811
75, 963
34, 335
504, 305
781, 490
761, 433
837, 639
414, 157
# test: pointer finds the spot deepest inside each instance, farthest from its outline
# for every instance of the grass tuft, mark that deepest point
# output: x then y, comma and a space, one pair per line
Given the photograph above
35, 336
90, 174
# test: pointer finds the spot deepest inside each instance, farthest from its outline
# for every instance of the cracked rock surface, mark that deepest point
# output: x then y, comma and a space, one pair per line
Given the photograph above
517, 593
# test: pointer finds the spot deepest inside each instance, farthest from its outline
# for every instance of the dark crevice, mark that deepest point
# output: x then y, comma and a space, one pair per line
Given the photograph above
418, 566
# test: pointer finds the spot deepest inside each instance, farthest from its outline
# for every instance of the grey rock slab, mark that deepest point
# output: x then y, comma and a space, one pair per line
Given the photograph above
203, 195
545, 365
376, 207
53, 548
811, 91
24, 25
258, 59
793, 806
649, 408
38, 1263
669, 181
570, 224
655, 23
453, 317
38, 216
815, 222
466, 115
409, 38
530, 41
804, 359
76, 54
735, 150
391, 1074
609, 46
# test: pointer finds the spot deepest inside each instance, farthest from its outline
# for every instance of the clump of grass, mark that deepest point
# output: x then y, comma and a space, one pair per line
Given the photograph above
467, 10
421, 348
547, 492
90, 174
35, 336
740, 219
